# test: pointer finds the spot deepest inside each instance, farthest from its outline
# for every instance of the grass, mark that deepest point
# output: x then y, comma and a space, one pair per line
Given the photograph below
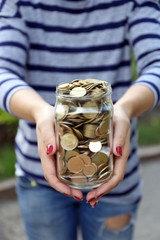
7, 161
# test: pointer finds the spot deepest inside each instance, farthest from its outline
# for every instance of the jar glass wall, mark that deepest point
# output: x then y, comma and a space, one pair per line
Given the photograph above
83, 114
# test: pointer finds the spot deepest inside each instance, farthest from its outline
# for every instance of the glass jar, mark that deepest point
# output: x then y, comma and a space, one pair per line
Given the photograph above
83, 115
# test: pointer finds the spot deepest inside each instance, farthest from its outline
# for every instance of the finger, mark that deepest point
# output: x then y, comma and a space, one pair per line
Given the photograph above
94, 203
49, 140
49, 170
77, 194
118, 174
121, 128
50, 174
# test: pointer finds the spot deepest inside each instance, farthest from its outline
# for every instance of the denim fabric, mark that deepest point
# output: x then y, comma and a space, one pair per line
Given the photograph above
50, 215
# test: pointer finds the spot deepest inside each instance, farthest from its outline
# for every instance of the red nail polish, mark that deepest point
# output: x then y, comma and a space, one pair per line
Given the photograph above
119, 150
100, 195
67, 194
90, 200
49, 148
94, 204
77, 198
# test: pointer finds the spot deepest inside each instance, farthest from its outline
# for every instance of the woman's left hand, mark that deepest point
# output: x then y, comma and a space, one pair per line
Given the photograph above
121, 150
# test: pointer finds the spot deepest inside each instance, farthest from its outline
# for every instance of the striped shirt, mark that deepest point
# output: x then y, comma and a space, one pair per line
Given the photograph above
44, 43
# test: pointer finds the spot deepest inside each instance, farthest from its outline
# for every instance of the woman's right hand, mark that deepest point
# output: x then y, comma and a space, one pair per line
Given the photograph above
47, 148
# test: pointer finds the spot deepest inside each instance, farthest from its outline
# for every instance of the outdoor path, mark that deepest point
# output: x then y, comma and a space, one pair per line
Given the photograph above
11, 227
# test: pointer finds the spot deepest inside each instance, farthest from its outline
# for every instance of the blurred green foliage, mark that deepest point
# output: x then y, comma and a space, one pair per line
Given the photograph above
7, 161
149, 130
6, 118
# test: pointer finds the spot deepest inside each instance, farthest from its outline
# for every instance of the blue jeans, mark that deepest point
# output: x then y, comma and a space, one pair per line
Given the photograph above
50, 215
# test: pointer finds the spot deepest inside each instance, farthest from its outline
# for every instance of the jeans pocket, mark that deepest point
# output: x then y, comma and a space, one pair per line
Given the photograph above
25, 182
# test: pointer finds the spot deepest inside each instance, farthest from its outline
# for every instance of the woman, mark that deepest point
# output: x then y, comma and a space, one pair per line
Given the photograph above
44, 43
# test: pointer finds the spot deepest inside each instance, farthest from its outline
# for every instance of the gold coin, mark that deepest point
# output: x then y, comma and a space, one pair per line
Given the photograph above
60, 130
62, 153
96, 92
61, 111
101, 166
75, 164
105, 125
64, 86
95, 166
105, 169
100, 158
95, 146
83, 146
105, 175
69, 141
89, 130
78, 133
86, 159
66, 128
98, 118
78, 178
90, 109
78, 92
89, 170
70, 154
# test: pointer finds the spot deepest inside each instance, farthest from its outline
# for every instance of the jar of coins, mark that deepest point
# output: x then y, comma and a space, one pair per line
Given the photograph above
83, 114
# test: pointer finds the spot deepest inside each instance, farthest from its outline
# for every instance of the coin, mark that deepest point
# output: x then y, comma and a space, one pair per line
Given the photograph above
103, 170
89, 130
104, 127
86, 159
101, 166
95, 146
90, 109
70, 154
69, 141
100, 158
62, 153
66, 128
89, 170
60, 130
96, 91
78, 133
61, 111
78, 92
75, 164
78, 178
63, 86
105, 175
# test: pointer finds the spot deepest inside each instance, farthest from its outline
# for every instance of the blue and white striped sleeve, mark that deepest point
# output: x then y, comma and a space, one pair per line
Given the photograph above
13, 53
144, 36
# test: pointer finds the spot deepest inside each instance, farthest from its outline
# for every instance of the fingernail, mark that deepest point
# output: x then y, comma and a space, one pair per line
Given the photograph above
94, 204
49, 148
100, 195
67, 194
90, 200
77, 198
119, 150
